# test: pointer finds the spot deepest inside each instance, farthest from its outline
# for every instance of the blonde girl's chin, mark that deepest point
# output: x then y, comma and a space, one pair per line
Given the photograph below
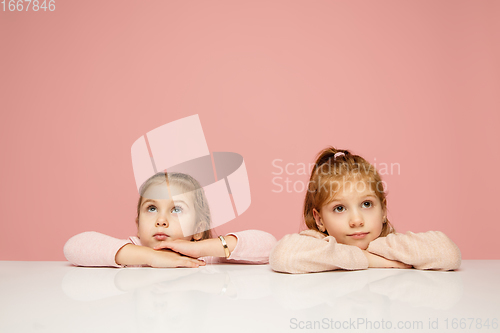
362, 246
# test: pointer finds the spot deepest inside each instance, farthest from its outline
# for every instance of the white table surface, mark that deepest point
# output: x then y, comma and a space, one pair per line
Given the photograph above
58, 297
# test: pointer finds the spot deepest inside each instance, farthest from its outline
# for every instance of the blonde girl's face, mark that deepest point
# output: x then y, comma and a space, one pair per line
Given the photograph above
162, 218
354, 217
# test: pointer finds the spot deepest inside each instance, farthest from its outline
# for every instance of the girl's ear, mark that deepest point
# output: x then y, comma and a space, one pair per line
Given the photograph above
319, 222
383, 203
200, 228
137, 222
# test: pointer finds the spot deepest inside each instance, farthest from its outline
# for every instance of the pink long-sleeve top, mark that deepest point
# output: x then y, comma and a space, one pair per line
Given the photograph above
312, 251
95, 249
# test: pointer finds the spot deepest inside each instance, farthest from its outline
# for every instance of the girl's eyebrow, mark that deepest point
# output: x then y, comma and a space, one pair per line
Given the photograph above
181, 201
148, 200
363, 196
154, 201
335, 200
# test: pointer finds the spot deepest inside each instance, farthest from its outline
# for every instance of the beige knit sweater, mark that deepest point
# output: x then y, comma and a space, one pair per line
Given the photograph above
312, 251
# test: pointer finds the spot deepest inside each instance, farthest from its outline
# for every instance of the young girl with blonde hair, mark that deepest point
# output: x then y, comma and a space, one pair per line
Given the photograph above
170, 233
345, 211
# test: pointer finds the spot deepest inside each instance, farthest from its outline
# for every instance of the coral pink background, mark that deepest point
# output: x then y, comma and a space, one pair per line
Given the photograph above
409, 82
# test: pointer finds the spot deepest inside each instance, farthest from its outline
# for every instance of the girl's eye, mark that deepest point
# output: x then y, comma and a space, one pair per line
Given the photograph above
339, 209
177, 210
367, 204
152, 209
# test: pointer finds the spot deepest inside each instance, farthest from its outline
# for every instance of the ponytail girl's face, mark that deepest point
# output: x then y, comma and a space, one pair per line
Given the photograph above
354, 217
162, 218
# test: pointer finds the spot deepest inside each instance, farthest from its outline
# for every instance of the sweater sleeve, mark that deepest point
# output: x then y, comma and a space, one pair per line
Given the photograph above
253, 247
426, 250
93, 249
310, 251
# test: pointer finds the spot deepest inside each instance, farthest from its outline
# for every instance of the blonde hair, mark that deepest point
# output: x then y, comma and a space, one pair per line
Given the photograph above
335, 166
187, 184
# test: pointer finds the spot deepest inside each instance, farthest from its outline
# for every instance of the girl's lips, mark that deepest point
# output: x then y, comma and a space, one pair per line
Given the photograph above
359, 235
160, 237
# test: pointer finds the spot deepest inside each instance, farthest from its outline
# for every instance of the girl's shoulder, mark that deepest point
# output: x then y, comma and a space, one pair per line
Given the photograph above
312, 233
135, 240
430, 233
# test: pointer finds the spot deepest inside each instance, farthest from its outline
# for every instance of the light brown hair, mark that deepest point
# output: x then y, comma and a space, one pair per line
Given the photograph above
328, 175
187, 184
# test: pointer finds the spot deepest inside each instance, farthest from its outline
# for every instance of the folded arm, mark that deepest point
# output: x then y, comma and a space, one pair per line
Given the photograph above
427, 250
310, 251
249, 246
96, 249
252, 246
93, 249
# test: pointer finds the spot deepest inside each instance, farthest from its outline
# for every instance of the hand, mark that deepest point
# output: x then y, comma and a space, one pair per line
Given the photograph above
131, 255
185, 247
167, 258
375, 261
204, 248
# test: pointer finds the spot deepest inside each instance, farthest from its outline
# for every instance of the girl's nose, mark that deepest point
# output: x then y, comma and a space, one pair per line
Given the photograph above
162, 222
356, 221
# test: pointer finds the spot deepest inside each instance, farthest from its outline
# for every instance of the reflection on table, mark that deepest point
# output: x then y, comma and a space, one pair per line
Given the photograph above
55, 296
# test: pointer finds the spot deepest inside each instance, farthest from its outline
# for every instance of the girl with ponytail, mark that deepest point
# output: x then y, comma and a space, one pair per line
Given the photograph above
345, 211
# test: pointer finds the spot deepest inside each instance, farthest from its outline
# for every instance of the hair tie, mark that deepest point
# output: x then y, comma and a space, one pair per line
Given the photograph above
338, 154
